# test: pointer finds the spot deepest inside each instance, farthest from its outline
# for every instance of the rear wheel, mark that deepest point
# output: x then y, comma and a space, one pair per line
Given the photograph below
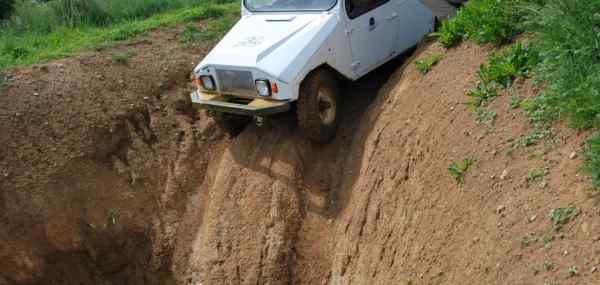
318, 105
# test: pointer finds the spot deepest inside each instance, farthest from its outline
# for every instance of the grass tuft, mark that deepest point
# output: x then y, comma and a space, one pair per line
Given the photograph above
459, 169
425, 64
561, 216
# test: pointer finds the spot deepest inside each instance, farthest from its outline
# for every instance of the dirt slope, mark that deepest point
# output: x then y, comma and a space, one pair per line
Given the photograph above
377, 206
110, 177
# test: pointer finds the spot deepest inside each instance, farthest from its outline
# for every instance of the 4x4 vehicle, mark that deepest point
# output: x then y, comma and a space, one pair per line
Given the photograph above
286, 51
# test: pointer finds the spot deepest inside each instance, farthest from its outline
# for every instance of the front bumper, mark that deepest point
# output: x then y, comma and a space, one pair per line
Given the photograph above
255, 107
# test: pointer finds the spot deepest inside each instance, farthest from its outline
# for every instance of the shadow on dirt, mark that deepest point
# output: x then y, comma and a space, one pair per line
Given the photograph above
320, 168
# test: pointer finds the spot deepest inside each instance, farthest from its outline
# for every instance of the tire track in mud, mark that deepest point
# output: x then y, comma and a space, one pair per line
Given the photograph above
272, 199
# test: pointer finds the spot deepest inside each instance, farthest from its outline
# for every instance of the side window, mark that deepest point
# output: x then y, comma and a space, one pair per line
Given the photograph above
355, 8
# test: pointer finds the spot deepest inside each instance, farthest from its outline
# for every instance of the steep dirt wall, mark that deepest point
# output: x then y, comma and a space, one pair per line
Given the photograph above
97, 160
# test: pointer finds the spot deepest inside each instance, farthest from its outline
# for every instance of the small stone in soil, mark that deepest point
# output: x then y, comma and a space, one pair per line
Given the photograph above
504, 174
573, 155
500, 209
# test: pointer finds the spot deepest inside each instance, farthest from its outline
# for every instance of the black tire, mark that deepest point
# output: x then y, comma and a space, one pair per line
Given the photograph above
317, 108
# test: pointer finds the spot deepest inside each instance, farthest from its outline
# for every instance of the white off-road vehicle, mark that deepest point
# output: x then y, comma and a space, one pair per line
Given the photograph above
295, 51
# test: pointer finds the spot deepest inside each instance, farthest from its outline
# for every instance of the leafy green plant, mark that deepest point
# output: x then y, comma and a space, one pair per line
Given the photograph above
503, 67
483, 21
573, 271
561, 216
500, 71
459, 169
450, 32
537, 174
425, 64
535, 135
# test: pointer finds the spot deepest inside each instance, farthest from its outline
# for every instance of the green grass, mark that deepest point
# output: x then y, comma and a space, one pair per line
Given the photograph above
563, 50
482, 21
459, 169
425, 64
592, 158
28, 48
500, 72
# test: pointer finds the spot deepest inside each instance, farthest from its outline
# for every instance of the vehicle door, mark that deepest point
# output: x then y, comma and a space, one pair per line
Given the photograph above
371, 31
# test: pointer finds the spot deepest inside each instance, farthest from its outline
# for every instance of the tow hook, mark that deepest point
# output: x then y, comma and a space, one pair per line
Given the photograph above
259, 121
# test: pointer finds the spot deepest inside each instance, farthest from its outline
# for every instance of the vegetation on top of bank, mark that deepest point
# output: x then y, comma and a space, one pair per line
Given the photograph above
563, 42
40, 31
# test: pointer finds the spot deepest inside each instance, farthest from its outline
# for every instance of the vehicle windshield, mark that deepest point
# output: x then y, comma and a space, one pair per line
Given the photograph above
289, 5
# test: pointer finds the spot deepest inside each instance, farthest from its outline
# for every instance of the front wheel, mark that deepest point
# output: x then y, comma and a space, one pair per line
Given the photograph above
318, 105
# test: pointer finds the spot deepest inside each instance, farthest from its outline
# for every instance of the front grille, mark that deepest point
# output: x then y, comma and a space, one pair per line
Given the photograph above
236, 82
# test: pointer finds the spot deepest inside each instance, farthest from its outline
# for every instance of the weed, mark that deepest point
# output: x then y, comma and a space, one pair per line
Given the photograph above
450, 32
485, 116
548, 265
425, 64
459, 169
561, 216
551, 283
482, 94
573, 271
547, 239
500, 71
535, 135
503, 67
537, 175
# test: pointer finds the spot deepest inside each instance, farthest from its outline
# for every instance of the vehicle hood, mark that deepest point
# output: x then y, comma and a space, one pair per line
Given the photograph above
270, 42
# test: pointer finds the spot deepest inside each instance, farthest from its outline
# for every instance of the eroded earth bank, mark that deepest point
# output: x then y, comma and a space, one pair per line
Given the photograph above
109, 176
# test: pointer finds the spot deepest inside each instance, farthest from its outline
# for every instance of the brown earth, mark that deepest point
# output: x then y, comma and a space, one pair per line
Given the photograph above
108, 176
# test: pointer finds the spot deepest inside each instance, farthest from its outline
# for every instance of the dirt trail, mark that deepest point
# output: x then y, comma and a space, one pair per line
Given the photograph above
110, 177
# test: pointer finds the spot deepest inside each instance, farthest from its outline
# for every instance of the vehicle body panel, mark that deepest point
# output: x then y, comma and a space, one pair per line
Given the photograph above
283, 47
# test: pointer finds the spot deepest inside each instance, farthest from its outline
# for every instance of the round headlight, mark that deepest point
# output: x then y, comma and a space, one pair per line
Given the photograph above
263, 87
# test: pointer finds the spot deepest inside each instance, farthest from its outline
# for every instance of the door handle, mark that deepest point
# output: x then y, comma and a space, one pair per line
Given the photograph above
372, 24
391, 17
